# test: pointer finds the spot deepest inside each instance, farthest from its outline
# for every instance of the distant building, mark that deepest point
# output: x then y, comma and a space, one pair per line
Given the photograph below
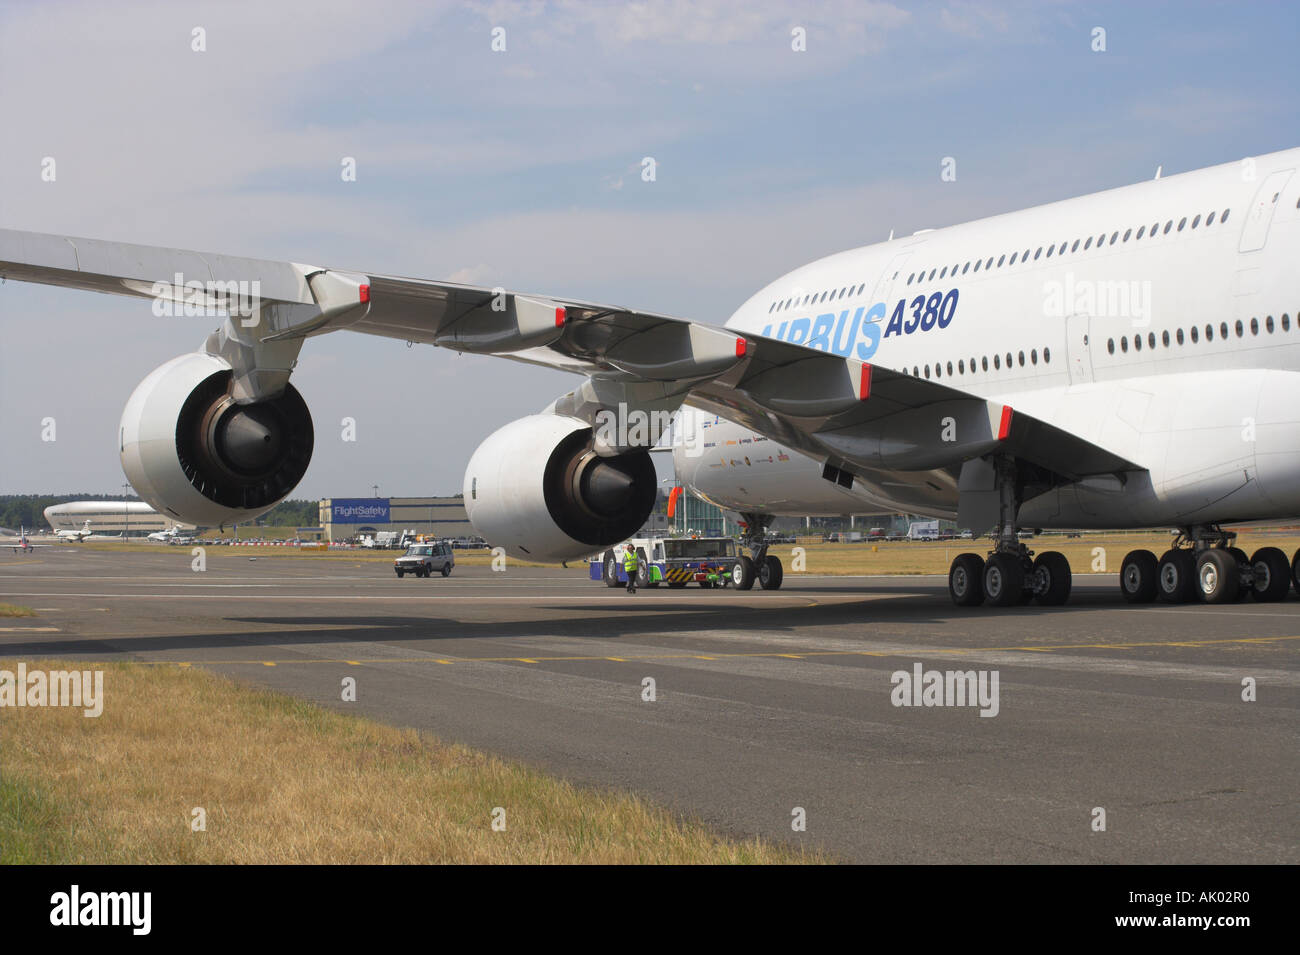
702, 518
133, 518
342, 518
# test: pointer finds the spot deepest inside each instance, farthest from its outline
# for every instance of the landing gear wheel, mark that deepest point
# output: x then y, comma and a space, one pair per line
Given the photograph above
610, 569
1053, 580
1295, 570
1217, 576
742, 574
1004, 580
446, 570
1137, 577
771, 573
1176, 577
966, 580
1272, 575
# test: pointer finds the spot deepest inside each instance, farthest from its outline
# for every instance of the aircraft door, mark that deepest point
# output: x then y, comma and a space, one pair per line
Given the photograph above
1078, 348
1260, 214
885, 284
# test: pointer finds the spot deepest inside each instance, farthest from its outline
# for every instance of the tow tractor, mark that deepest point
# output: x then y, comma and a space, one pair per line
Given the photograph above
676, 561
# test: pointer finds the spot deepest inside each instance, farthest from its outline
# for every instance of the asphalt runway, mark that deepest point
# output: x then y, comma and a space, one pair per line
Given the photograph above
764, 701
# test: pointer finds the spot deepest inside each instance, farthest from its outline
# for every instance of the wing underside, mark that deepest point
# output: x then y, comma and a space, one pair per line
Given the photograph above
854, 416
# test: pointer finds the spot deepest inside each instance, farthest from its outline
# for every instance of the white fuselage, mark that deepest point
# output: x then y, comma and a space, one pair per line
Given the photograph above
1138, 319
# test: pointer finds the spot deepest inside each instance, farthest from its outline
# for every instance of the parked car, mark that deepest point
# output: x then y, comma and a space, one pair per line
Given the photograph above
423, 560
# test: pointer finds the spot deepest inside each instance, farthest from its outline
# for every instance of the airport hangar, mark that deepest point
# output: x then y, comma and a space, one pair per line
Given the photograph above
132, 518
340, 518
343, 518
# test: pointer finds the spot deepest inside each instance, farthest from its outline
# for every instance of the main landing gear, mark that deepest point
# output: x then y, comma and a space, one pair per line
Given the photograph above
760, 565
1011, 575
1204, 566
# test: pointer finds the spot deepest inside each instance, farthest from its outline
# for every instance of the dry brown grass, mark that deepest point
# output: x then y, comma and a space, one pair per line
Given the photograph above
284, 780
13, 610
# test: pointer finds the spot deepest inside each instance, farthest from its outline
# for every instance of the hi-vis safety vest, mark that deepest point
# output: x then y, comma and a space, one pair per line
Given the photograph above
629, 561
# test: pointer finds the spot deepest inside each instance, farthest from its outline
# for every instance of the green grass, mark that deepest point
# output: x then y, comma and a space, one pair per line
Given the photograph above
34, 827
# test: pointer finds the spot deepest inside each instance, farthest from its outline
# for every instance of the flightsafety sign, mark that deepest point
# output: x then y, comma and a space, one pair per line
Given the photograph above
359, 510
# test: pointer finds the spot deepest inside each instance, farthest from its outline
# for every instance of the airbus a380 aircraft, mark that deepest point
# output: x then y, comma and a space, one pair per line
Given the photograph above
1125, 359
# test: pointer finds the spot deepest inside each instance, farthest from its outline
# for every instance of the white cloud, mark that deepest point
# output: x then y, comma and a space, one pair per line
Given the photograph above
481, 275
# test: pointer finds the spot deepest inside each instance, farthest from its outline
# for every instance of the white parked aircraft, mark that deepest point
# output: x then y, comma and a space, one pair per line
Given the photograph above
1125, 359
75, 536
173, 533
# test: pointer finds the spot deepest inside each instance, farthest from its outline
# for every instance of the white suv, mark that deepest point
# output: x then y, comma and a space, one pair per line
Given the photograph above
423, 559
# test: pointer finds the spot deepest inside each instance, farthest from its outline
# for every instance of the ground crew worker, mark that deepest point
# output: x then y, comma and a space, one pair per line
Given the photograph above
629, 567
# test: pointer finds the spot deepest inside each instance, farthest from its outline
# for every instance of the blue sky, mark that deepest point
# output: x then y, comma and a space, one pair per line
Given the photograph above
522, 168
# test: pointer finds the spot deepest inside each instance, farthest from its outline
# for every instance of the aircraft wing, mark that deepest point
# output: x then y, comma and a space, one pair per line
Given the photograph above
849, 413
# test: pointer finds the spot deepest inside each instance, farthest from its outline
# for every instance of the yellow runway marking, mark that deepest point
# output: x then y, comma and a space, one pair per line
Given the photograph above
29, 630
769, 654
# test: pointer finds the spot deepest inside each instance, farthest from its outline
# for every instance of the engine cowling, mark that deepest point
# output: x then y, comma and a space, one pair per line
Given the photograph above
191, 452
537, 489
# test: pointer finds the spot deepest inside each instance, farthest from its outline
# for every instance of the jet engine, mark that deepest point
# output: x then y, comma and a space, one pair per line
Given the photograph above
191, 452
536, 488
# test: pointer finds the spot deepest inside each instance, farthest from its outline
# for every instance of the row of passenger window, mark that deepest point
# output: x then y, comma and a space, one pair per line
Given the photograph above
1195, 335
1224, 331
961, 368
1065, 247
817, 298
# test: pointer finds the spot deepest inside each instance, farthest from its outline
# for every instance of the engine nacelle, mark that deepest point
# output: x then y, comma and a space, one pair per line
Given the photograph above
192, 453
537, 489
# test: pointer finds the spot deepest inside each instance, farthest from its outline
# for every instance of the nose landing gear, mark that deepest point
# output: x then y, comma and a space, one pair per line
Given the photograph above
764, 567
